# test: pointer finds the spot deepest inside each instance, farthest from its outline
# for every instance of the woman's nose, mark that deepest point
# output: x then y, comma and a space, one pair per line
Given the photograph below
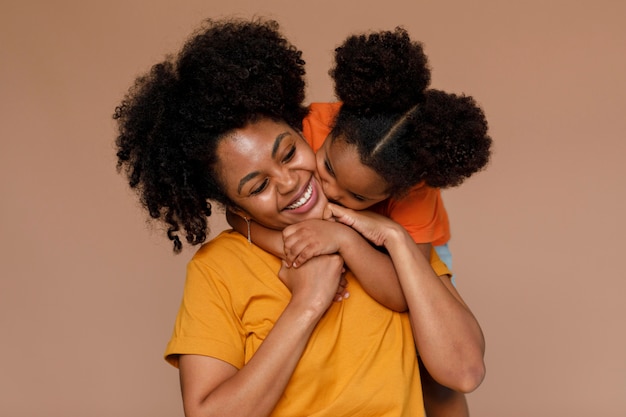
287, 181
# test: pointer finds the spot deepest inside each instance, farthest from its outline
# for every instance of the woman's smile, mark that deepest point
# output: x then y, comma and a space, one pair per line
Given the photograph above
306, 199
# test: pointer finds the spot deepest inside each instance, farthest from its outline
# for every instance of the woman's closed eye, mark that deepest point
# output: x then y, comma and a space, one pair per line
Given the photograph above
289, 156
259, 189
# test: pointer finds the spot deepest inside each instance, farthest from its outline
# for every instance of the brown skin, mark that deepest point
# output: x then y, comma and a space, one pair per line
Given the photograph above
266, 167
441, 401
345, 179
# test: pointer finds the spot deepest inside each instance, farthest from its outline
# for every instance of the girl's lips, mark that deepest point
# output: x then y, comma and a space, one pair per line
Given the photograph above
307, 199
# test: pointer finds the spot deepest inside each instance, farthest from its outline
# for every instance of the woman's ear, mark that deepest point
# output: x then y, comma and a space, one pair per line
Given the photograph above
239, 212
234, 218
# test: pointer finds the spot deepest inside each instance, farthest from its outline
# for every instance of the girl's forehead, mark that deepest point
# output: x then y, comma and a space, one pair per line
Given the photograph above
353, 174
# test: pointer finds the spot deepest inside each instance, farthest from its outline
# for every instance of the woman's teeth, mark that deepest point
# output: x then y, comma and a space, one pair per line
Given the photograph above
305, 197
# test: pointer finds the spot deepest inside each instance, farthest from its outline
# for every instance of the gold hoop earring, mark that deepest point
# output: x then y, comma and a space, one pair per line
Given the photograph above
248, 223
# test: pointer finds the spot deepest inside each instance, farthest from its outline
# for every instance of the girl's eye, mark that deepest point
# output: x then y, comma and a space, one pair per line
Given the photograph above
328, 168
260, 188
358, 197
290, 154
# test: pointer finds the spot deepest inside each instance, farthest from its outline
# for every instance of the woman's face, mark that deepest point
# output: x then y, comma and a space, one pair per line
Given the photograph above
345, 179
268, 171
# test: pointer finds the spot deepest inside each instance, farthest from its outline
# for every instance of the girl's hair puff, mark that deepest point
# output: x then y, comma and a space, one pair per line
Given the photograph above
381, 71
402, 130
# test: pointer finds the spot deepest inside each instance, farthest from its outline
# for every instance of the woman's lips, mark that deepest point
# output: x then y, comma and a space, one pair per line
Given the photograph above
303, 199
306, 200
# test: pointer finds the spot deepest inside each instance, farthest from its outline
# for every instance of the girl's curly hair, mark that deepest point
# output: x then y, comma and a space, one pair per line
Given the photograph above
381, 71
404, 131
228, 74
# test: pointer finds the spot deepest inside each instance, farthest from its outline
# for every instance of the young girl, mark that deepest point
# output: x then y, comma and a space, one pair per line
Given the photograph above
389, 147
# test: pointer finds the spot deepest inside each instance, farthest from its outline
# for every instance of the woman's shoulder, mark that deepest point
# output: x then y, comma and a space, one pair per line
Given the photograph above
227, 241
230, 253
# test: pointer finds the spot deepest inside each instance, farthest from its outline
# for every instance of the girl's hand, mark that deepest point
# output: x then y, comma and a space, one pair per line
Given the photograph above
374, 227
310, 238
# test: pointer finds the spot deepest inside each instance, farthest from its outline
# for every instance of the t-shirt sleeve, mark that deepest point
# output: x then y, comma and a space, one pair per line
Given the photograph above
438, 265
423, 215
318, 123
206, 324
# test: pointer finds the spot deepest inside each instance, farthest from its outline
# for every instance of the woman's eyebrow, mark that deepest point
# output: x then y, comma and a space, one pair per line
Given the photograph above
245, 179
277, 142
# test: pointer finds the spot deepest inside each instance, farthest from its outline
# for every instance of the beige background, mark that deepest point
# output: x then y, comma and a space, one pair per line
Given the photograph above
89, 291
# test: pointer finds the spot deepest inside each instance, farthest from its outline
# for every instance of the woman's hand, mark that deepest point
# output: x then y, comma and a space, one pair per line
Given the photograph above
342, 292
316, 283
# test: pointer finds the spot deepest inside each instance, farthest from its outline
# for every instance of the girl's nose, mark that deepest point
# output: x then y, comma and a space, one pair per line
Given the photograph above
330, 190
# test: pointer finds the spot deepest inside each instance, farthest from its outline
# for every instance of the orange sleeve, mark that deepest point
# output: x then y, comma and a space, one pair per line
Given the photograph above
421, 213
319, 122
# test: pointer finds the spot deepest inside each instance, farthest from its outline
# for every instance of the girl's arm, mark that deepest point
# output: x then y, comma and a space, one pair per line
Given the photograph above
448, 336
212, 387
304, 240
271, 241
373, 268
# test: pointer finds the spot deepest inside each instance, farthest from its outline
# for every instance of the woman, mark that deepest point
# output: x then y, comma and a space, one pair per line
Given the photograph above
220, 123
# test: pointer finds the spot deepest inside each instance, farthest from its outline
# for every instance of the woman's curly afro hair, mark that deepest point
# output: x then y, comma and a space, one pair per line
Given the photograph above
404, 131
228, 74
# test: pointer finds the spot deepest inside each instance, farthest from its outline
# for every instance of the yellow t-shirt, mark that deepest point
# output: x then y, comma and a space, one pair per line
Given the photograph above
360, 359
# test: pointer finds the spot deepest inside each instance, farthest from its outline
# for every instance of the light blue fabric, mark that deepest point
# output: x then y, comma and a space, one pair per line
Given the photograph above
446, 256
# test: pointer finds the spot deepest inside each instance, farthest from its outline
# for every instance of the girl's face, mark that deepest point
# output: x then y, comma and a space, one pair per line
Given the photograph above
268, 171
345, 179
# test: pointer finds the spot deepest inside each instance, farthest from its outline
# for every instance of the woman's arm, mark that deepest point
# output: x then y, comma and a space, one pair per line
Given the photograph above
211, 387
448, 336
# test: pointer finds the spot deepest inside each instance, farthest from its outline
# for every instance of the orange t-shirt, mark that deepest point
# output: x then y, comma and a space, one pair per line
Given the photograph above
421, 212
